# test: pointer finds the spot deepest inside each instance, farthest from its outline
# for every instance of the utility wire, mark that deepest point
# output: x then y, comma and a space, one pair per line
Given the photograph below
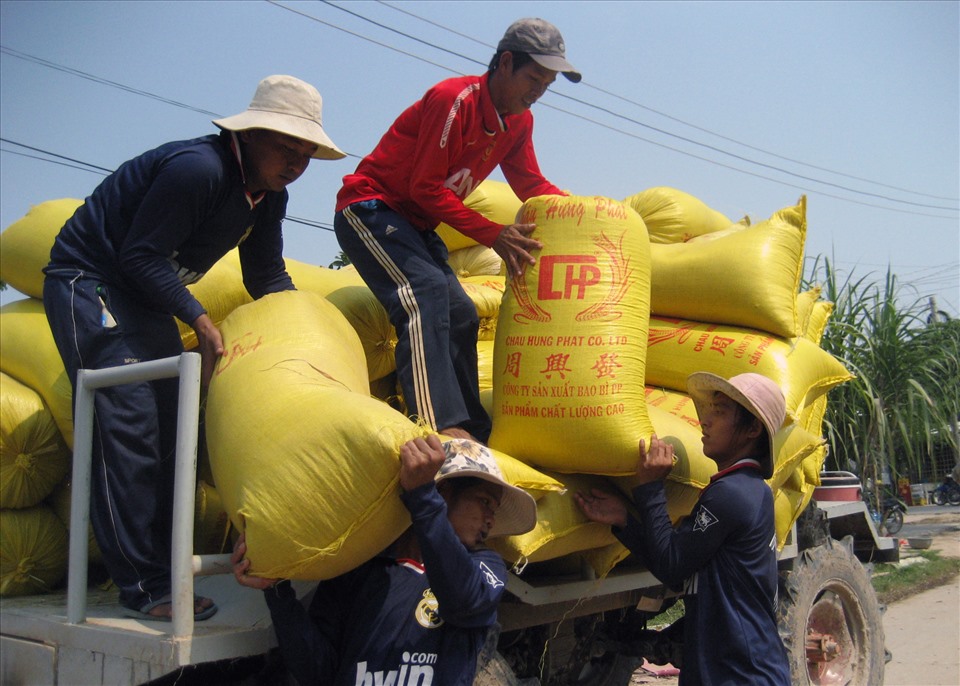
101, 80
103, 171
672, 118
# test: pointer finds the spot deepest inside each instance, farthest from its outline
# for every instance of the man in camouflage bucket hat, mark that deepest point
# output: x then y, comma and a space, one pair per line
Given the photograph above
433, 594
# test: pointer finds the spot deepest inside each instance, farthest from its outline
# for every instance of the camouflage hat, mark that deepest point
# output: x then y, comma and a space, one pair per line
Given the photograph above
518, 510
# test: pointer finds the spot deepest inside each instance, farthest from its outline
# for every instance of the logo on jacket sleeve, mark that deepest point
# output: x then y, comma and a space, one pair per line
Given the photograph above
427, 612
489, 576
704, 519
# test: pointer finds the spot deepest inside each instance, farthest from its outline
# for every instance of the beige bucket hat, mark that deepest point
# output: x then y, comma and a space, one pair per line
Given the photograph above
518, 509
290, 106
761, 396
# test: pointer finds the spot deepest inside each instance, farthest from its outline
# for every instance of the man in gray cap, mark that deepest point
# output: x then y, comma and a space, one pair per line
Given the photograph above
432, 157
120, 268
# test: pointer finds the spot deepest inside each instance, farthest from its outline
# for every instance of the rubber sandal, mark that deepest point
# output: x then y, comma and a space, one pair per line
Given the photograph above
144, 611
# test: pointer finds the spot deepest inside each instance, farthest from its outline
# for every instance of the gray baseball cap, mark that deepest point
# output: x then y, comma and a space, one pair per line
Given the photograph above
542, 41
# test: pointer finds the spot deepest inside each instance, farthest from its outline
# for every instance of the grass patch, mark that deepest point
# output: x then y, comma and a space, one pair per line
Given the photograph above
894, 582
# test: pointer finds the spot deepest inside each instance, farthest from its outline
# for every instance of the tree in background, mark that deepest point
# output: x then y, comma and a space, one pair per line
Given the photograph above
901, 408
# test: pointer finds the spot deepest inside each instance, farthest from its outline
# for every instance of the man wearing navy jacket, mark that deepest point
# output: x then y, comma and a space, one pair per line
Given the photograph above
419, 613
724, 555
120, 268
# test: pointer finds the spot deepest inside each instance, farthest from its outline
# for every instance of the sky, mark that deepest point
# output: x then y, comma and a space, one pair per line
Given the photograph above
745, 105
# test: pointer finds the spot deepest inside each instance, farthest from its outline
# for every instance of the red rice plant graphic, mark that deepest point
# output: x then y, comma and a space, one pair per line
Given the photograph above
620, 266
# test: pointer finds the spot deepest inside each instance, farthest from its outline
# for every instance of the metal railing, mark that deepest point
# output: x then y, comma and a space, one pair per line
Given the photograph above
184, 564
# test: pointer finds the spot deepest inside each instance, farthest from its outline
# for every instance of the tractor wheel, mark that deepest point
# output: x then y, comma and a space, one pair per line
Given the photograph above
830, 620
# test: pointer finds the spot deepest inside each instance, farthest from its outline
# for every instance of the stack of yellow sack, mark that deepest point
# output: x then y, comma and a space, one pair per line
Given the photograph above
579, 360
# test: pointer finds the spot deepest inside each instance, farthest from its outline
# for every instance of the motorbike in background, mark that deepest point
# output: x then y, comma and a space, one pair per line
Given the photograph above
947, 493
890, 517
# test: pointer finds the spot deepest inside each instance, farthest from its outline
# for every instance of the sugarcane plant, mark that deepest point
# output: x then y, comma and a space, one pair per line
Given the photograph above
905, 400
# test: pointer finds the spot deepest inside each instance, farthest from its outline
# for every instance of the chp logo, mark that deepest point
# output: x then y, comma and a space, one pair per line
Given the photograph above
598, 282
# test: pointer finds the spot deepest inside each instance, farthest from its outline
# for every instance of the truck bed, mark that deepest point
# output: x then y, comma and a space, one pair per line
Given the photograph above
39, 646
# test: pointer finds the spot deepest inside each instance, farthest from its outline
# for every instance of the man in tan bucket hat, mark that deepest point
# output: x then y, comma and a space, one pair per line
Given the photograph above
117, 277
724, 554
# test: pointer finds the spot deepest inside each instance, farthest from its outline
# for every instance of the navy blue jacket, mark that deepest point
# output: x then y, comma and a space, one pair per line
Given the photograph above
724, 555
161, 220
388, 621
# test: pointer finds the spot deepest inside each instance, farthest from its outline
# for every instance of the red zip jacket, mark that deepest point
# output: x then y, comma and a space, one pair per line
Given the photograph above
439, 150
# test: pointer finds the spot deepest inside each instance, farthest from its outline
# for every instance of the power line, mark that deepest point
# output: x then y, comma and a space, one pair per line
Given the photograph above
101, 80
675, 119
53, 154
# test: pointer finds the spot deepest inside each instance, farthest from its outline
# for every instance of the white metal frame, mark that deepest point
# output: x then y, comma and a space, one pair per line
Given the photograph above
184, 564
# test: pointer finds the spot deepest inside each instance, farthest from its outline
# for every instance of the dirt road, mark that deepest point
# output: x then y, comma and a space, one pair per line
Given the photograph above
922, 631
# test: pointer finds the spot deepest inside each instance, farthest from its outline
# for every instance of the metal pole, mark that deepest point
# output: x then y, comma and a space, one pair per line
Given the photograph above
184, 495
88, 380
80, 501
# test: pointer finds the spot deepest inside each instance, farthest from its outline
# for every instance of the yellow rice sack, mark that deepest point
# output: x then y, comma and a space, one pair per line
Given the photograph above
29, 355
673, 216
309, 277
805, 304
747, 278
818, 320
211, 527
570, 343
485, 364
561, 526
801, 369
476, 260
25, 244
33, 456
495, 200
372, 325
33, 551
306, 462
486, 292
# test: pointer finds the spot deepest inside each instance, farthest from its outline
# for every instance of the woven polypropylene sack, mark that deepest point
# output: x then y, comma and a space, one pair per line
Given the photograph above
495, 200
33, 455
25, 244
486, 293
673, 216
746, 278
29, 354
571, 340
33, 551
475, 260
561, 528
817, 322
801, 369
306, 462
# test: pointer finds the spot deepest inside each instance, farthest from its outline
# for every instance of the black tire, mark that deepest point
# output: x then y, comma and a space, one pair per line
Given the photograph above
954, 497
828, 592
893, 521
937, 497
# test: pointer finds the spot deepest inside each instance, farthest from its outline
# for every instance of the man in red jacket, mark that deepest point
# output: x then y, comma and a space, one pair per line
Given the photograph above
432, 157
